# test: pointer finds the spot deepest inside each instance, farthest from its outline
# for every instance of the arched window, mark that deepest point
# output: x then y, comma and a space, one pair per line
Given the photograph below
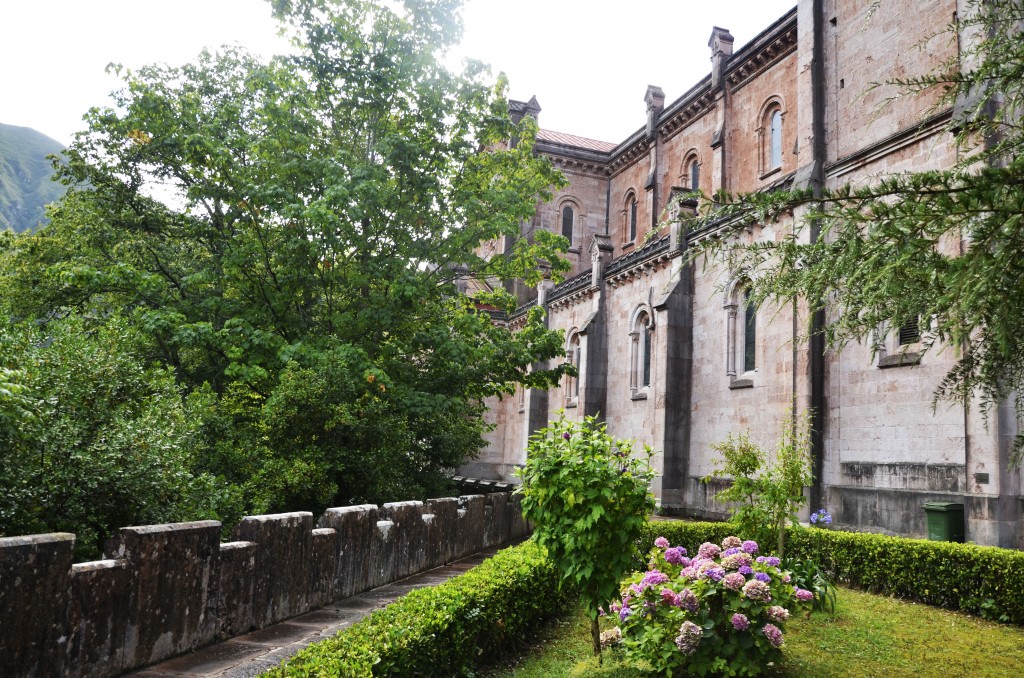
642, 340
568, 217
574, 355
775, 140
741, 334
694, 170
631, 217
749, 333
769, 133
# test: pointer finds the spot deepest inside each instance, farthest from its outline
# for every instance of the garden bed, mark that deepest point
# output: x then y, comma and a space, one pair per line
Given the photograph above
869, 635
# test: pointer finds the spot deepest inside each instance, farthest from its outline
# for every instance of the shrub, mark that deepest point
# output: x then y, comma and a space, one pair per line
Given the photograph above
444, 630
982, 580
767, 492
588, 500
721, 611
103, 440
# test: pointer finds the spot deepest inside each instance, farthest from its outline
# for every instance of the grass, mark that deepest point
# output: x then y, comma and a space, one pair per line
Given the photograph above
868, 636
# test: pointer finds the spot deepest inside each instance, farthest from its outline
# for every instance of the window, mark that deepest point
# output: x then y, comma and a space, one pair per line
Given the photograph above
642, 336
904, 347
632, 218
694, 175
572, 385
749, 333
775, 135
568, 217
741, 334
910, 332
769, 133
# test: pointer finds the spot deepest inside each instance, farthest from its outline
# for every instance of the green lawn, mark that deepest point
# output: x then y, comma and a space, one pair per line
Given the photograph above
868, 636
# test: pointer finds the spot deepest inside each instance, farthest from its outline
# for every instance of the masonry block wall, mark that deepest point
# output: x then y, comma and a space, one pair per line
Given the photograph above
881, 449
169, 589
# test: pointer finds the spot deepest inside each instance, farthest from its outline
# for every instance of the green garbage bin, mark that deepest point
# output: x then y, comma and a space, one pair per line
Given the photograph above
945, 521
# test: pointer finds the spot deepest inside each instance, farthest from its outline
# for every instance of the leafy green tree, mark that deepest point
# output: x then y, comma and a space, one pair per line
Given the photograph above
767, 490
103, 441
588, 499
941, 245
292, 236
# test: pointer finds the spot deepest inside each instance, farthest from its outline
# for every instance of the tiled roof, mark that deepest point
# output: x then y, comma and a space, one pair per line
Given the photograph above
573, 140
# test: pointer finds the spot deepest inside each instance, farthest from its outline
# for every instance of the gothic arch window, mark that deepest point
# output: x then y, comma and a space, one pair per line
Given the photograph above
741, 329
691, 172
630, 217
641, 336
769, 132
574, 355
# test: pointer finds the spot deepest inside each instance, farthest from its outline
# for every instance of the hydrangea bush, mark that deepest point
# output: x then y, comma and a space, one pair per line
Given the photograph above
721, 611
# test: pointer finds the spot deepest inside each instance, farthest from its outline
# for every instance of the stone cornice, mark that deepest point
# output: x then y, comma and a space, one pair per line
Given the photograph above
764, 52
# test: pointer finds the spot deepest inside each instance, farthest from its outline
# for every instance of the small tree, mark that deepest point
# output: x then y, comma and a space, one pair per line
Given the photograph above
769, 491
588, 499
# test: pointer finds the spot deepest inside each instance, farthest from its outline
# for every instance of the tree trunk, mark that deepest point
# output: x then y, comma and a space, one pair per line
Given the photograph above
595, 634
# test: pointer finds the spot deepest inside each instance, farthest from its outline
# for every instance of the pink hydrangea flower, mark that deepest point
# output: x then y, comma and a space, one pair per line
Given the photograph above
773, 634
731, 542
778, 614
740, 622
757, 590
803, 594
709, 550
734, 581
661, 543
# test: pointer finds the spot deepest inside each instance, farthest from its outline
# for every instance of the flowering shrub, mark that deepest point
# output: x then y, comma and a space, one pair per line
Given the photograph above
721, 612
821, 518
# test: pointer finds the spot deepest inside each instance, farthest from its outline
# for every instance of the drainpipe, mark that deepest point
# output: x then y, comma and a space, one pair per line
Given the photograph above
816, 364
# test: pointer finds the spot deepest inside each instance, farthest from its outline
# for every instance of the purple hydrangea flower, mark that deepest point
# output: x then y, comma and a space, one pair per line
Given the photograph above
709, 550
803, 594
736, 561
731, 551
670, 597
734, 581
714, 573
750, 547
740, 622
773, 634
786, 578
689, 637
761, 576
689, 572
769, 560
778, 614
625, 612
731, 542
757, 590
661, 543
675, 555
688, 601
746, 570
653, 578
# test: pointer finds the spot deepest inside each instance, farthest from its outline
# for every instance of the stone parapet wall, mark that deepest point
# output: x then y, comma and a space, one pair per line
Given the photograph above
169, 589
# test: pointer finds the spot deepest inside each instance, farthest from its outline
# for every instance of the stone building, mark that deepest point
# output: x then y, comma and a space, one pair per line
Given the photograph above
672, 356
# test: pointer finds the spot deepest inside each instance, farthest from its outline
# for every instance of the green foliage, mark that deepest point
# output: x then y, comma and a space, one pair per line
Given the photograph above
941, 245
302, 276
769, 492
981, 580
102, 441
444, 630
587, 497
808, 574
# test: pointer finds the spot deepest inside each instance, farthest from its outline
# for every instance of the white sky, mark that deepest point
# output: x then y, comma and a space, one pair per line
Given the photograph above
588, 61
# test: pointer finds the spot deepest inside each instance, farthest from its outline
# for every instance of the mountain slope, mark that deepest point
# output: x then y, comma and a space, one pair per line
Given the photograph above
25, 185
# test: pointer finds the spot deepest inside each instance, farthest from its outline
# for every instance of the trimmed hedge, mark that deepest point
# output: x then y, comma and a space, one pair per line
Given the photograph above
982, 580
444, 630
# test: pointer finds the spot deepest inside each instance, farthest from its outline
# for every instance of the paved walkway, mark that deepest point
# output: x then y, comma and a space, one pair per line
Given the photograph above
255, 652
